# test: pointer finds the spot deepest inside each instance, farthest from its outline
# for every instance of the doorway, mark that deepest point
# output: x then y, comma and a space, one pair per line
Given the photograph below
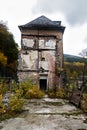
43, 84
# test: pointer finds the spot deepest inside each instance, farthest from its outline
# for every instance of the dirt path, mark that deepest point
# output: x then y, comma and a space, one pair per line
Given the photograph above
47, 114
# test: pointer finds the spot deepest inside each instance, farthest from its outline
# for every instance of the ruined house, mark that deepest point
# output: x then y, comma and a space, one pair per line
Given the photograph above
41, 54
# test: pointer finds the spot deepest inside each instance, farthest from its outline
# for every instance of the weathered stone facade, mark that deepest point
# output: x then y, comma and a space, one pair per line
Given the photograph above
41, 55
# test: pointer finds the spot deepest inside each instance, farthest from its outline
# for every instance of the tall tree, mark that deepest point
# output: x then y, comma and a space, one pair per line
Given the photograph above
83, 53
84, 74
8, 47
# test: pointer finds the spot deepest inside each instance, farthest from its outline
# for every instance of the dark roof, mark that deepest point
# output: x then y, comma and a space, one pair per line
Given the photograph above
43, 22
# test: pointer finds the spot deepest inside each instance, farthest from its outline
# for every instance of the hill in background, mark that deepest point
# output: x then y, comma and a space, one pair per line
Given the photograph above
72, 58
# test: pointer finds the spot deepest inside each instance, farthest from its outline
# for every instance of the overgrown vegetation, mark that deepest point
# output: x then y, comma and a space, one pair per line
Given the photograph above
3, 88
29, 90
57, 93
76, 71
14, 101
16, 104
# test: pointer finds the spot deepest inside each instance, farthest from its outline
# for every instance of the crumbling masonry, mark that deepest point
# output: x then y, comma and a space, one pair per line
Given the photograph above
41, 54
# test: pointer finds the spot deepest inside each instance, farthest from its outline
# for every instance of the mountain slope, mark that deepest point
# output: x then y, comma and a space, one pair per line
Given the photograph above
72, 58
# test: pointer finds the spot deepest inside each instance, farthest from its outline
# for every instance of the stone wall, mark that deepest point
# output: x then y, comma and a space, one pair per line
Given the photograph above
33, 57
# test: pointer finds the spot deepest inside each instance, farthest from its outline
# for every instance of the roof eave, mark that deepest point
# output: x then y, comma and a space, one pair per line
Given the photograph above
57, 28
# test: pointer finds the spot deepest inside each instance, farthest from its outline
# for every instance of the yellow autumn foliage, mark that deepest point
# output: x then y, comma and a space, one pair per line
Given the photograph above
0, 97
3, 59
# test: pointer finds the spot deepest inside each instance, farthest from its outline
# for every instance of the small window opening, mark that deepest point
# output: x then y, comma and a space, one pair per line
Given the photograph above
42, 59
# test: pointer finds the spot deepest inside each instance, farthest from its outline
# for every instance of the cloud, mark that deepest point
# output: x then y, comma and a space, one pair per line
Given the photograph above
85, 40
75, 11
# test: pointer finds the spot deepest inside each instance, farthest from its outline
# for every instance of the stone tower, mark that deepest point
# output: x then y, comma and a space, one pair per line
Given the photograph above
41, 54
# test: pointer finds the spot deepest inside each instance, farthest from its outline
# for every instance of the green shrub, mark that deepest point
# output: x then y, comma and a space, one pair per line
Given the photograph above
29, 90
2, 108
58, 93
3, 88
25, 86
41, 94
51, 94
16, 104
34, 92
19, 93
14, 86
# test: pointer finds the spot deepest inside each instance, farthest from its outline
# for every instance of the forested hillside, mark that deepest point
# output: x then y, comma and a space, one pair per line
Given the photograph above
72, 58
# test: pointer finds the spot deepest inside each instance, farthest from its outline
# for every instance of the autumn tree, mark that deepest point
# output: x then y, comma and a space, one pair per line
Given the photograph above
84, 73
74, 71
8, 47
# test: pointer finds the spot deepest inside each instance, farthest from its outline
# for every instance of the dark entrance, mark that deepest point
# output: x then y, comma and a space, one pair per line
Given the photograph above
43, 84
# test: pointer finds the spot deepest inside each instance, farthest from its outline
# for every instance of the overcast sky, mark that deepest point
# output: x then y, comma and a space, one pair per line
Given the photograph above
72, 13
